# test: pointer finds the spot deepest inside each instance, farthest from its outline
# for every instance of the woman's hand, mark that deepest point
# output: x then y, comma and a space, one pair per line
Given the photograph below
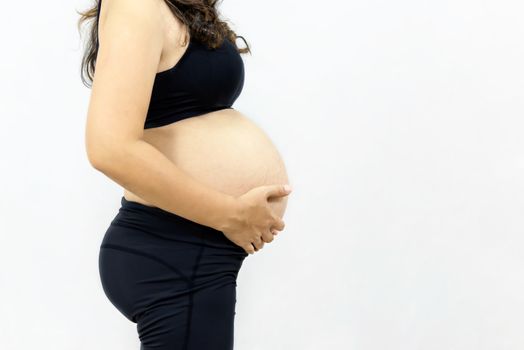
251, 221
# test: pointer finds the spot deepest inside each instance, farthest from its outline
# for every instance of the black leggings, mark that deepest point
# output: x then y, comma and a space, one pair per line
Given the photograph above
174, 278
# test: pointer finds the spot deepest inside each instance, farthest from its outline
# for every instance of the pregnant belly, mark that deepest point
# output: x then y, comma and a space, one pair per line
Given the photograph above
223, 150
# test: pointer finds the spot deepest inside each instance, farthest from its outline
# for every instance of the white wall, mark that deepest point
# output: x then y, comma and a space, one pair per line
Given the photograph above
401, 123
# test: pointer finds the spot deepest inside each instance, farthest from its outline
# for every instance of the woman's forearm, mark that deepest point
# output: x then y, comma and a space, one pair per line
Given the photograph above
144, 170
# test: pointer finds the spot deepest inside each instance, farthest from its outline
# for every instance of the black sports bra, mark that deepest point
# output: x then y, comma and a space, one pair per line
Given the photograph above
202, 81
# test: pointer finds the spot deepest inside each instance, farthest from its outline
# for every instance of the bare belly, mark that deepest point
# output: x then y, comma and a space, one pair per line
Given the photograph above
223, 150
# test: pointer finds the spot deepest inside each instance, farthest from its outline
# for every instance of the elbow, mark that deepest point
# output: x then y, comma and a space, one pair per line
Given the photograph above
105, 157
97, 160
104, 154
96, 164
100, 155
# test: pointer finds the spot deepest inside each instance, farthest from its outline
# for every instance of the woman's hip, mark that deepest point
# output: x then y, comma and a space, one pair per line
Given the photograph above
150, 258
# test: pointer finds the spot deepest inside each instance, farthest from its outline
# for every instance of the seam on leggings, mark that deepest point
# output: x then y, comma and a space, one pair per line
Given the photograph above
147, 255
190, 285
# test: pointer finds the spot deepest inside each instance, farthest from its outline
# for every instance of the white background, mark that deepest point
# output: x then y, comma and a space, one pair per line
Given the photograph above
401, 124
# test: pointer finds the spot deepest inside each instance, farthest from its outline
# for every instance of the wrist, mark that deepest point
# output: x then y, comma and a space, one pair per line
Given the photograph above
227, 213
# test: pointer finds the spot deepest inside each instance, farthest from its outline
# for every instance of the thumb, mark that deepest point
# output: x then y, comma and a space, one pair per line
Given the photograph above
278, 190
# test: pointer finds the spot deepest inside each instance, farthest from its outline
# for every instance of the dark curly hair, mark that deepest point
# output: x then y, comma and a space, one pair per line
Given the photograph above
201, 17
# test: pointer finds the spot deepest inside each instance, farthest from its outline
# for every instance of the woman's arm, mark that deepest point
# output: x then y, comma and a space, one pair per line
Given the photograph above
130, 46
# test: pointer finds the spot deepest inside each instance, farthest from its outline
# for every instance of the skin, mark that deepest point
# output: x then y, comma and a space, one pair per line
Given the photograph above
135, 42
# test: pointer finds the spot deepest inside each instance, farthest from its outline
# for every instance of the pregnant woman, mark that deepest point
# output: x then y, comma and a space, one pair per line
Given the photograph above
203, 186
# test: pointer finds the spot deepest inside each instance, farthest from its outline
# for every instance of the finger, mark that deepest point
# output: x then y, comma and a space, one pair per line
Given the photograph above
267, 237
279, 224
258, 243
278, 190
249, 249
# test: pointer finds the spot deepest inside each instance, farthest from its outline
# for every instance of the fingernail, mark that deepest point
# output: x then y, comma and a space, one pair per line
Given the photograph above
287, 188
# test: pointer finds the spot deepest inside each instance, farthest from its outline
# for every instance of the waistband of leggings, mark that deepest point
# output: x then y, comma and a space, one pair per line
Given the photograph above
147, 220
165, 217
